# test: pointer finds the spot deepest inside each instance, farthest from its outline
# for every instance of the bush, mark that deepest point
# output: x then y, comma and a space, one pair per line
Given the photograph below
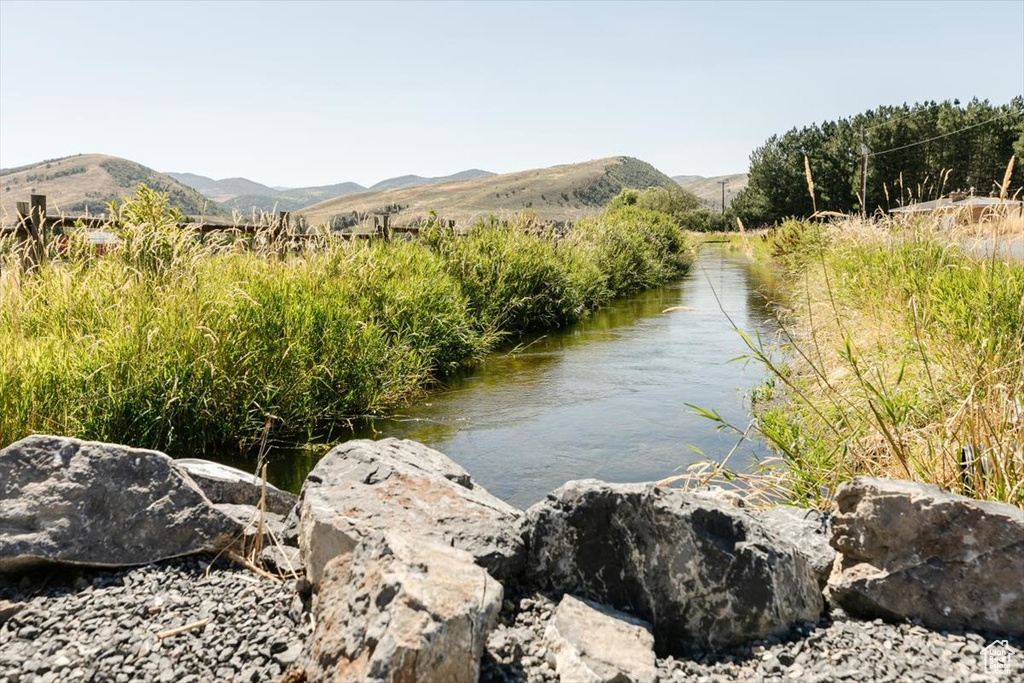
172, 343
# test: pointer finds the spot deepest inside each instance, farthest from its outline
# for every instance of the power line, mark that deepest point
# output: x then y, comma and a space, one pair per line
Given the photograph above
896, 120
945, 135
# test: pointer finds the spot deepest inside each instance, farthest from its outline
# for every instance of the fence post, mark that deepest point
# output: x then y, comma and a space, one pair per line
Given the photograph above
37, 204
27, 214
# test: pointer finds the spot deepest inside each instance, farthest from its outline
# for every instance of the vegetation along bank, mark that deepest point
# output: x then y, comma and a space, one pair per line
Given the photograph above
905, 357
182, 344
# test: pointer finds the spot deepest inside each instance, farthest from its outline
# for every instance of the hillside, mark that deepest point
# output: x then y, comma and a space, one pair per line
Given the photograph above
709, 191
416, 181
246, 195
559, 193
87, 182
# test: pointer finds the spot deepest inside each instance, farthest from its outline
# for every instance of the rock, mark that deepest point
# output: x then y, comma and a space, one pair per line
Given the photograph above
223, 484
910, 550
363, 486
8, 609
283, 559
290, 654
248, 517
85, 503
592, 643
402, 609
720, 494
696, 568
809, 530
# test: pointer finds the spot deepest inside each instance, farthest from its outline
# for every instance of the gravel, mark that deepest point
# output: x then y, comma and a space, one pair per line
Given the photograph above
101, 626
95, 625
836, 649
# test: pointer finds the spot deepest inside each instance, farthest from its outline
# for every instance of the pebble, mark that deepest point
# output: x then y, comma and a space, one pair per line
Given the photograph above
837, 649
93, 625
100, 625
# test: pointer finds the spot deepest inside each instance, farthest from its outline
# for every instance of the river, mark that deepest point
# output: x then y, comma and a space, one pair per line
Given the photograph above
605, 398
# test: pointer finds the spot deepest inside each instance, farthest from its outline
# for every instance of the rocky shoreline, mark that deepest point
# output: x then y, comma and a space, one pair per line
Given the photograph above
393, 564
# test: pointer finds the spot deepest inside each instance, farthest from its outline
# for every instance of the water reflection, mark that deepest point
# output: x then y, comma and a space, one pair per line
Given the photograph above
604, 399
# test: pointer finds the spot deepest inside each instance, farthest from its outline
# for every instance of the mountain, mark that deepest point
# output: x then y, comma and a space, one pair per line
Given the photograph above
709, 191
245, 195
417, 181
558, 193
87, 182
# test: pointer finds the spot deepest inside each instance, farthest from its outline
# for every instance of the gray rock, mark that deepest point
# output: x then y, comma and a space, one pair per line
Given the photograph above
223, 484
8, 609
698, 569
250, 519
402, 609
78, 502
282, 558
809, 530
592, 643
362, 486
909, 550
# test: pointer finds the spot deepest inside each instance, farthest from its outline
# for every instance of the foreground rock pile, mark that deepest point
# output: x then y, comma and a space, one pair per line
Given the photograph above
401, 567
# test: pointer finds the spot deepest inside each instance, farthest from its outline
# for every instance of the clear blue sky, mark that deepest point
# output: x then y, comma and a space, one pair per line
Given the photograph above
315, 93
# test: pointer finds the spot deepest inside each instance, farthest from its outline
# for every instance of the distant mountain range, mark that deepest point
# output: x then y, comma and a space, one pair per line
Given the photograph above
246, 195
558, 193
709, 191
86, 183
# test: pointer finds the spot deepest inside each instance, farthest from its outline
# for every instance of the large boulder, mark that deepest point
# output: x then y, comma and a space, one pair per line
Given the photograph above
909, 550
231, 486
591, 643
402, 609
94, 504
808, 530
362, 486
698, 569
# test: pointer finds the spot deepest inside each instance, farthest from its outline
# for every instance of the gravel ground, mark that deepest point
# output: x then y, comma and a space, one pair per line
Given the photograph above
101, 625
837, 649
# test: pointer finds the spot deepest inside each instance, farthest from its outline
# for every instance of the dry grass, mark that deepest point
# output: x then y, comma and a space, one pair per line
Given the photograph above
905, 358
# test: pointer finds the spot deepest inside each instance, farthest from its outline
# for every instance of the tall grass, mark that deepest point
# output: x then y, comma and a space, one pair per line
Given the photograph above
185, 345
906, 359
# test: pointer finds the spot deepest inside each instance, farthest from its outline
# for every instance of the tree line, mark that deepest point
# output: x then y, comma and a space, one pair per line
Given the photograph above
916, 153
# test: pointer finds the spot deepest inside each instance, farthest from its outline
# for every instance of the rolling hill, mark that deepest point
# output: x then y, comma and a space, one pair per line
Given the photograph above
246, 195
558, 193
709, 191
416, 181
87, 182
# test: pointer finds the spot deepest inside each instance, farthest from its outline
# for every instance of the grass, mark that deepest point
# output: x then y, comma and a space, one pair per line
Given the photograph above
905, 359
184, 345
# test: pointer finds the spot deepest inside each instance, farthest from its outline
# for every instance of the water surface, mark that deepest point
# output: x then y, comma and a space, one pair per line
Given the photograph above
605, 398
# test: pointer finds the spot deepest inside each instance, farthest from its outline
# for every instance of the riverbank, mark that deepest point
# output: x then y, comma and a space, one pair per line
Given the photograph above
196, 346
906, 358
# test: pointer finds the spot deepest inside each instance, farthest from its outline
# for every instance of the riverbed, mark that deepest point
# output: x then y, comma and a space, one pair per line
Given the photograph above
606, 398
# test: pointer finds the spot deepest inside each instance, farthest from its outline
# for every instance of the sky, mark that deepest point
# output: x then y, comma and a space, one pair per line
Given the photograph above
297, 94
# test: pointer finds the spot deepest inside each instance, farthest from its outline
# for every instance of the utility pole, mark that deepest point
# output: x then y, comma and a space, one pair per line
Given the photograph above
863, 175
723, 183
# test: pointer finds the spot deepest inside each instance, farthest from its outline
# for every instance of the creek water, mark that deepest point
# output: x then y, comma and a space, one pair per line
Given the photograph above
606, 398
